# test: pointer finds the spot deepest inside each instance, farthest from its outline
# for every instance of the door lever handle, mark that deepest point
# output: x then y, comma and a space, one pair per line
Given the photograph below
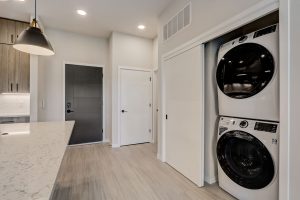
124, 111
69, 111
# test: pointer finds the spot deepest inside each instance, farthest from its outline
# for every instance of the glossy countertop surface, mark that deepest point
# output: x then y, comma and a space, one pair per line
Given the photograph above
30, 157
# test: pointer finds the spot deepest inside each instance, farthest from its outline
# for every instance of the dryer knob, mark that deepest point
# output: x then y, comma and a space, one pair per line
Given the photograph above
244, 124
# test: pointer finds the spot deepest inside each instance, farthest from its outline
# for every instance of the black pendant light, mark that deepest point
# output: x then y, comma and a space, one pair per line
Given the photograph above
33, 41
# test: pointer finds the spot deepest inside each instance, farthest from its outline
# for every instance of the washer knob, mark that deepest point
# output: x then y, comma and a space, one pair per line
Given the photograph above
244, 124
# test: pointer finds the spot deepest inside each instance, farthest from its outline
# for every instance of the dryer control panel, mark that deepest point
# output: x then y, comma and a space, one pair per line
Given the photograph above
260, 126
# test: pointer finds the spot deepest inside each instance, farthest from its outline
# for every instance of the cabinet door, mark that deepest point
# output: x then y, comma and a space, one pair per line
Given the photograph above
22, 73
22, 79
4, 87
7, 31
20, 26
11, 69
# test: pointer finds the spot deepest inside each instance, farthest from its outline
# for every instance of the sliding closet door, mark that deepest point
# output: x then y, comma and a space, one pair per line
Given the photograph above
184, 106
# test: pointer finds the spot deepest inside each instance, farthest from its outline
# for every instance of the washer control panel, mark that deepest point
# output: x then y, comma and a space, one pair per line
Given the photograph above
260, 126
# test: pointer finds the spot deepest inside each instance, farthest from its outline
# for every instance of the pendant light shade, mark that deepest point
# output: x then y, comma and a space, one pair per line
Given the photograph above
33, 41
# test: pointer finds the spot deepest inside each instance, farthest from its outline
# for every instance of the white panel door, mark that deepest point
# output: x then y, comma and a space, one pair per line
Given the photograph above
184, 106
136, 106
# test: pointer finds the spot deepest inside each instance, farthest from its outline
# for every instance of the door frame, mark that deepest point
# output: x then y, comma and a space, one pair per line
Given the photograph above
104, 139
155, 101
119, 97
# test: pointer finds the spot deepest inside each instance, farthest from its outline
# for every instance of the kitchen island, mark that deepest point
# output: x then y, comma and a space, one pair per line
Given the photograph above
30, 157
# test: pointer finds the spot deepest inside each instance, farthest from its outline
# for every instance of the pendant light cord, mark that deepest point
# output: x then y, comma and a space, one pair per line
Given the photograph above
35, 13
35, 9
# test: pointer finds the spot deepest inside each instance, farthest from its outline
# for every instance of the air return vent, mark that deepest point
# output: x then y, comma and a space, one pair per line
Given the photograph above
181, 20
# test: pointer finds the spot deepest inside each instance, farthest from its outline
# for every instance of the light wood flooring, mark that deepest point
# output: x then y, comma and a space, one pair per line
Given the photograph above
98, 172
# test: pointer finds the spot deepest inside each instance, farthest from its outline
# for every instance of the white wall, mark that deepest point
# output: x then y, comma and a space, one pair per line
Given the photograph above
155, 90
295, 100
289, 100
109, 86
14, 105
74, 48
206, 14
155, 53
34, 68
126, 50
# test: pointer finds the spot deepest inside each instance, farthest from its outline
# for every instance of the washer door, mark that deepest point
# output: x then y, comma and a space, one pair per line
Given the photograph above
245, 70
245, 160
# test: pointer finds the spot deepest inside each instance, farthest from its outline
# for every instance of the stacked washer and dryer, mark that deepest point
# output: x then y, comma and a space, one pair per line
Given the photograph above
248, 95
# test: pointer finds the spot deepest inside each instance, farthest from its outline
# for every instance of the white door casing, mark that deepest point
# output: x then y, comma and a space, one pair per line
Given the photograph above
136, 101
155, 106
184, 107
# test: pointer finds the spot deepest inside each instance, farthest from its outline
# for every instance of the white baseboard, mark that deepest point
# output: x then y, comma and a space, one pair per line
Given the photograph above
115, 145
210, 180
158, 156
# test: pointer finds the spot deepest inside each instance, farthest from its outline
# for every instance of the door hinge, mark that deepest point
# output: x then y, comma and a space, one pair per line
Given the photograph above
150, 79
166, 116
150, 104
150, 130
102, 130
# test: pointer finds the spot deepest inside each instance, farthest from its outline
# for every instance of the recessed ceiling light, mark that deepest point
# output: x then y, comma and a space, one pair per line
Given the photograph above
141, 27
81, 12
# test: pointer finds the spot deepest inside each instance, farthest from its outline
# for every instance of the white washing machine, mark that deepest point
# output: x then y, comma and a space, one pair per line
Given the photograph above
248, 76
247, 152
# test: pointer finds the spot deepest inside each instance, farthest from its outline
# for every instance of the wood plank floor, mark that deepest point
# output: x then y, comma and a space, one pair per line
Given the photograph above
98, 172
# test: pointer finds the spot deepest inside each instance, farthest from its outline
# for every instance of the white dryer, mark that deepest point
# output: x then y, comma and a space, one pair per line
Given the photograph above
248, 76
247, 153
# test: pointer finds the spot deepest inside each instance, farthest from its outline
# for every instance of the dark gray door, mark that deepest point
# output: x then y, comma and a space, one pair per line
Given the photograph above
84, 102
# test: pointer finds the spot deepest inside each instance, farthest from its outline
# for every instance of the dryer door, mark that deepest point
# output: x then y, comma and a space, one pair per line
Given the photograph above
245, 70
245, 160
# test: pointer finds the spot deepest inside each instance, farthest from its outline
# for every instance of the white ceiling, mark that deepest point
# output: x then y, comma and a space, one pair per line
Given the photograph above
103, 16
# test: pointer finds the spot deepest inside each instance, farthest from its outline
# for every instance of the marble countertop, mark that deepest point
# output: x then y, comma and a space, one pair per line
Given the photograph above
30, 157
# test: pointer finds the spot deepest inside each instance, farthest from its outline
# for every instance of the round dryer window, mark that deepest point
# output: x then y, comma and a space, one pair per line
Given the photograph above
245, 70
245, 160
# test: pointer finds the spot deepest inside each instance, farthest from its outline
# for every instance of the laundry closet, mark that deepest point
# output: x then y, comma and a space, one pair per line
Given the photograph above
242, 110
221, 110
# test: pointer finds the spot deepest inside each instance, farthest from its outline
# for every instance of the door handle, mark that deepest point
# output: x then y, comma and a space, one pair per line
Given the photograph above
70, 111
124, 111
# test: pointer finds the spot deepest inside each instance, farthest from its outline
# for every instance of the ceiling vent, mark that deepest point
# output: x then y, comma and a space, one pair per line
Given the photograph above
180, 21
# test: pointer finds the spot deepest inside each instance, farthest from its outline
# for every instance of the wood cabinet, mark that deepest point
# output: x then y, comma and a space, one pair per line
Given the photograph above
20, 26
21, 79
7, 31
14, 65
4, 68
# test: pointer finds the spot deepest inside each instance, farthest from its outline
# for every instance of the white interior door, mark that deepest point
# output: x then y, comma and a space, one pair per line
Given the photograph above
184, 106
136, 106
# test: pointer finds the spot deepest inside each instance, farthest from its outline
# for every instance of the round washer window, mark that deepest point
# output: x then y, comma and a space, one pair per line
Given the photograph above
245, 70
245, 160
